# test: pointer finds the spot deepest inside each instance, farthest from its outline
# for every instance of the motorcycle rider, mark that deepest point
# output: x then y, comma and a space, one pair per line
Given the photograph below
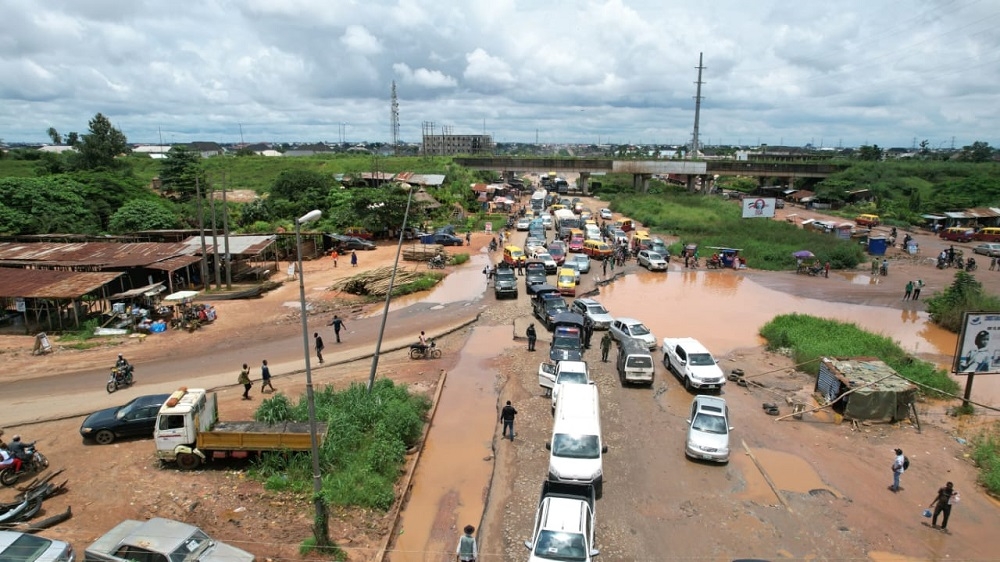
7, 458
123, 367
17, 449
422, 341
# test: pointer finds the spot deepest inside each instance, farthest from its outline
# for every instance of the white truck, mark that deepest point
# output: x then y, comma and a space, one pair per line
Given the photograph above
552, 376
564, 524
692, 364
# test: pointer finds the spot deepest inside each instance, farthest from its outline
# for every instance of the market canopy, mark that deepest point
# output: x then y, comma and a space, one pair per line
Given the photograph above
181, 296
148, 290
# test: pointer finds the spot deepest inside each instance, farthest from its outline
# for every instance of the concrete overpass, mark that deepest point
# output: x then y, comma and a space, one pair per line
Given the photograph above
643, 170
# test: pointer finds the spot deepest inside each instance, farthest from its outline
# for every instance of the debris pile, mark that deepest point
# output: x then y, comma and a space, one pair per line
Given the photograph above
17, 515
376, 281
423, 252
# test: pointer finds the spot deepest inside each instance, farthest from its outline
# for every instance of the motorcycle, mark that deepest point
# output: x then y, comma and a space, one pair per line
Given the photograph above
420, 351
119, 378
437, 262
37, 463
971, 265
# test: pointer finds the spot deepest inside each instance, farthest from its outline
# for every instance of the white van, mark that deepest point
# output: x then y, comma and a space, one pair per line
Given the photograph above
634, 363
576, 448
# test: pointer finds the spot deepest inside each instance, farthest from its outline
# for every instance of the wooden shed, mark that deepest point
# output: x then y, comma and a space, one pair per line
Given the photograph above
881, 393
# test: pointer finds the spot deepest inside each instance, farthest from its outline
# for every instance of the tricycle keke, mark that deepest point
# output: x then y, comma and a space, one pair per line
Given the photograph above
725, 258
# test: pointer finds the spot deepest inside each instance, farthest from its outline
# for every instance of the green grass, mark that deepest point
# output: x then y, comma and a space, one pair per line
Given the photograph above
811, 338
986, 453
459, 259
423, 283
364, 447
711, 221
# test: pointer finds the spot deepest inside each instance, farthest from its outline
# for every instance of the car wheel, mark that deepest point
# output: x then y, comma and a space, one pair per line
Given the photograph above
104, 437
687, 384
188, 461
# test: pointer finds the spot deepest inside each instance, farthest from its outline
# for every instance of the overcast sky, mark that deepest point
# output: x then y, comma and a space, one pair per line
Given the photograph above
621, 71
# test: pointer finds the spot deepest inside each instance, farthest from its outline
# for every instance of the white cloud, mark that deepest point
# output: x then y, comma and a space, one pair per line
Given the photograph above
573, 70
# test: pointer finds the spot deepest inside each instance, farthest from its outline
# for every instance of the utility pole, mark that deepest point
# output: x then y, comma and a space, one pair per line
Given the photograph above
215, 242
225, 236
242, 144
697, 107
394, 120
205, 283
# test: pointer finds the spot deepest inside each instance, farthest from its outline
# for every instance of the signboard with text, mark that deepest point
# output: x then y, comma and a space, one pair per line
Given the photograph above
978, 348
758, 207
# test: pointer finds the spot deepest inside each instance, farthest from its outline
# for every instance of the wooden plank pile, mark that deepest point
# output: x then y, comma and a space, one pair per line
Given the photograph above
423, 252
375, 282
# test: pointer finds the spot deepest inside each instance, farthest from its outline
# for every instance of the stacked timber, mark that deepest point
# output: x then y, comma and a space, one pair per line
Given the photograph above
423, 252
375, 282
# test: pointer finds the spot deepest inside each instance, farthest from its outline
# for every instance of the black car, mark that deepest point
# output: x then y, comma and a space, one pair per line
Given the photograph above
546, 309
347, 243
135, 419
443, 239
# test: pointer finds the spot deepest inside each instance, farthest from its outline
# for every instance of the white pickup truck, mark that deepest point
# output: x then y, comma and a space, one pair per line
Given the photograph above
551, 376
692, 364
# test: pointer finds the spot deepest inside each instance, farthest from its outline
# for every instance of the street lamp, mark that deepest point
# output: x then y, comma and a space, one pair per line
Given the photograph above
319, 524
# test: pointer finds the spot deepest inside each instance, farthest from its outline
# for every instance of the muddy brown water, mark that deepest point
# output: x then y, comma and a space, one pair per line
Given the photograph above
453, 477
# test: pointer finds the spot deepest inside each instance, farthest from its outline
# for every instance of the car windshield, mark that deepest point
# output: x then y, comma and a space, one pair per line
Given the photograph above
700, 360
126, 409
639, 362
195, 543
573, 377
543, 257
567, 279
557, 545
638, 330
566, 342
708, 423
576, 446
25, 548
655, 256
596, 309
553, 305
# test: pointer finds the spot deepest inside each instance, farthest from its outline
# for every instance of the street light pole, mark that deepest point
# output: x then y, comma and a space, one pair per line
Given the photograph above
320, 530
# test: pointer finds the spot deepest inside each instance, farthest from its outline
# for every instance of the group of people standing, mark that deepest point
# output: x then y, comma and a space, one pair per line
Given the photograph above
912, 290
265, 379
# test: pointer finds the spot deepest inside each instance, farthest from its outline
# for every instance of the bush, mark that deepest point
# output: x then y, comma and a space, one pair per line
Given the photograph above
459, 259
986, 453
812, 338
965, 294
367, 437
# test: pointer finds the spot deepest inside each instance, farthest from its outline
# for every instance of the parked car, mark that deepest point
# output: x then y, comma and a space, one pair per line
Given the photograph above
580, 261
651, 261
624, 328
546, 309
443, 239
522, 224
988, 249
159, 540
359, 232
137, 418
595, 311
22, 547
348, 243
606, 214
564, 524
708, 429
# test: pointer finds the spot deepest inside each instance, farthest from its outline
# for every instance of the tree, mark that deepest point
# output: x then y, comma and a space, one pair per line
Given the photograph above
101, 146
73, 138
915, 200
54, 135
925, 147
978, 151
142, 214
870, 153
47, 205
180, 171
296, 192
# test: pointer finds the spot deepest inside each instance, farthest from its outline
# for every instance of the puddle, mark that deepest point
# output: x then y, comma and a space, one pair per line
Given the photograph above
463, 283
451, 482
790, 473
698, 303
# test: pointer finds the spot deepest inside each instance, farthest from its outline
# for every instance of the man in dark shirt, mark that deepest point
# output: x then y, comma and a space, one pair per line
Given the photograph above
942, 504
507, 418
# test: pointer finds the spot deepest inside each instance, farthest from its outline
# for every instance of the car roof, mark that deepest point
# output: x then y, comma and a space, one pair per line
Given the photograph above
151, 399
626, 320
710, 404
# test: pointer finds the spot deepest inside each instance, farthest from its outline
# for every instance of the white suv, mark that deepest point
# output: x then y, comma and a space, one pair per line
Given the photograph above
624, 328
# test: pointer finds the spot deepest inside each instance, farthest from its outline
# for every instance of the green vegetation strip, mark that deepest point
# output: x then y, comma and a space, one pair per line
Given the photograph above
986, 453
811, 338
365, 444
711, 221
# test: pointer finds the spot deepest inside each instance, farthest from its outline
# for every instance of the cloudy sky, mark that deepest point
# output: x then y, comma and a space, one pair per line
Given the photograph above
777, 72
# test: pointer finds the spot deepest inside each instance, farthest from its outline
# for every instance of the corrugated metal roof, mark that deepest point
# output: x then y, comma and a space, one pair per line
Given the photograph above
96, 254
174, 263
51, 284
249, 245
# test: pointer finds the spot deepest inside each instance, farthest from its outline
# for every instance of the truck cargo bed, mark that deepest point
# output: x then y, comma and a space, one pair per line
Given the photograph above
259, 436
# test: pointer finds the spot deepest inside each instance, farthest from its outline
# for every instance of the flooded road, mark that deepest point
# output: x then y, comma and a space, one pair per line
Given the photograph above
453, 477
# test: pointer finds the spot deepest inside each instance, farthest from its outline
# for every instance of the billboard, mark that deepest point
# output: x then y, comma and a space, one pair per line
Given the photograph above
758, 207
978, 349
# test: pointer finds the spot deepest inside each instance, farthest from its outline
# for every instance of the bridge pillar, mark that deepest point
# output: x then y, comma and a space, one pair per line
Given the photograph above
584, 182
692, 183
640, 182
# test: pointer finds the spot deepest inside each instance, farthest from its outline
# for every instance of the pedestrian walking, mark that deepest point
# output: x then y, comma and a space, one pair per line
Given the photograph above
885, 268
466, 550
265, 377
354, 258
604, 267
468, 237
245, 381
605, 346
826, 270
532, 336
291, 271
337, 324
916, 289
612, 264
874, 268
334, 255
898, 467
993, 263
507, 418
319, 346
946, 497
909, 291
588, 331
